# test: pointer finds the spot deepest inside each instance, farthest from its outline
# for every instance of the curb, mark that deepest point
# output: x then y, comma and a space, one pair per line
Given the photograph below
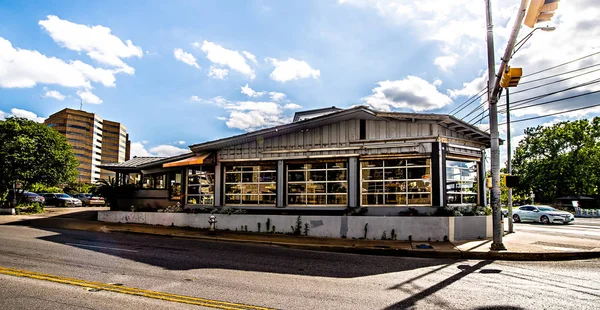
441, 254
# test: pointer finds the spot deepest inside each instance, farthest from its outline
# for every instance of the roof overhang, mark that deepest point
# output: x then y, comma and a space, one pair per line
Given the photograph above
195, 160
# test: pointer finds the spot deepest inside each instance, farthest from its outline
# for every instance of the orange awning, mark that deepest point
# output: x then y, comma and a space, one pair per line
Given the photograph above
195, 160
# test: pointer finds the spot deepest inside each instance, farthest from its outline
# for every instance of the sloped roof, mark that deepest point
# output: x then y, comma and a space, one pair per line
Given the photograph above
138, 163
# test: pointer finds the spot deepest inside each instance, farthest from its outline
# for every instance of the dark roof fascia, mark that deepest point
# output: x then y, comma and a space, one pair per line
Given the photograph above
283, 129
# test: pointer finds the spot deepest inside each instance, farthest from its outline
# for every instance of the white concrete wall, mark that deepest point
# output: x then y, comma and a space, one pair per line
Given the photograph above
419, 228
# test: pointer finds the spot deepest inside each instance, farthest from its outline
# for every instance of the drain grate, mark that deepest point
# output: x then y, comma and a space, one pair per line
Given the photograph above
562, 245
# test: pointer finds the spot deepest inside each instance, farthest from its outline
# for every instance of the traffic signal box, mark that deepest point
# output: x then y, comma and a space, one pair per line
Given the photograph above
511, 77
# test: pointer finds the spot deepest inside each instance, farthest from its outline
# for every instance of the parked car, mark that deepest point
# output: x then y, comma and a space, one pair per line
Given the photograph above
542, 214
61, 200
90, 200
27, 197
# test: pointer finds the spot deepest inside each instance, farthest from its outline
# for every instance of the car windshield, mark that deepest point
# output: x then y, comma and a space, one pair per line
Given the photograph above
547, 209
63, 196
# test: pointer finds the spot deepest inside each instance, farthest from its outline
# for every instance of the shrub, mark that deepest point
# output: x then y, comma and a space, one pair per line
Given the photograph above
32, 208
409, 212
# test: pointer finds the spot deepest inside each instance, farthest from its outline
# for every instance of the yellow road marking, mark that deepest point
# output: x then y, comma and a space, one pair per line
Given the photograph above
130, 290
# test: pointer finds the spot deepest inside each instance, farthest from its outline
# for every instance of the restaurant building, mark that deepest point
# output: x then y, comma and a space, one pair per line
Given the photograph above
325, 161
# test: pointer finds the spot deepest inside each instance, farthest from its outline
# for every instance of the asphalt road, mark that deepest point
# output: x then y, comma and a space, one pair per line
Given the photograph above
588, 228
274, 277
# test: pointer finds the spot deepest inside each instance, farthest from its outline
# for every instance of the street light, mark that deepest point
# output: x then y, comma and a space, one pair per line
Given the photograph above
520, 44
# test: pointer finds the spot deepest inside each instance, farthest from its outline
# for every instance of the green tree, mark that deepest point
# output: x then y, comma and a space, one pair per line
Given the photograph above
559, 160
33, 153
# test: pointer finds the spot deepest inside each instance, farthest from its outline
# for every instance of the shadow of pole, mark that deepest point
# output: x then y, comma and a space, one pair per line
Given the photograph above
411, 301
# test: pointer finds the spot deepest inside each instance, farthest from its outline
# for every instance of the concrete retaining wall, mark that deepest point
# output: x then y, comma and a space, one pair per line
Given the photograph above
417, 228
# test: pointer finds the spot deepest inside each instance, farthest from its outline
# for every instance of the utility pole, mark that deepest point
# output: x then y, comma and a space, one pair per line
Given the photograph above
495, 141
509, 164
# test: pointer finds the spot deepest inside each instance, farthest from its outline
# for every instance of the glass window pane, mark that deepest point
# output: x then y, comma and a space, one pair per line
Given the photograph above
395, 199
317, 175
419, 199
297, 188
316, 199
233, 177
316, 188
296, 176
267, 199
337, 199
395, 163
295, 166
337, 165
418, 186
193, 199
372, 199
372, 174
337, 187
250, 189
395, 187
296, 199
336, 175
268, 177
372, 163
250, 199
417, 173
232, 188
249, 177
193, 190
417, 162
267, 168
267, 188
372, 187
232, 199
395, 173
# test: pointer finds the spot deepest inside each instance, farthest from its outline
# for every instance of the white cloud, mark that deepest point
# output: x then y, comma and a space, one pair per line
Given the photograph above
26, 68
54, 94
145, 142
195, 99
216, 73
163, 150
246, 90
98, 41
458, 25
222, 118
88, 97
292, 106
226, 57
471, 88
185, 57
292, 69
275, 96
181, 142
250, 115
249, 56
3, 115
411, 93
437, 82
27, 114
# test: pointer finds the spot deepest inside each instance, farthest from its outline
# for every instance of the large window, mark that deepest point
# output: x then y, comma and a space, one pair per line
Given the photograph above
201, 185
175, 186
461, 182
250, 184
153, 181
318, 184
396, 182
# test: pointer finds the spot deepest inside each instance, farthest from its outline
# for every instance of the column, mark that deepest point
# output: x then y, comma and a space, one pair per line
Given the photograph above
218, 185
481, 181
436, 175
280, 197
353, 182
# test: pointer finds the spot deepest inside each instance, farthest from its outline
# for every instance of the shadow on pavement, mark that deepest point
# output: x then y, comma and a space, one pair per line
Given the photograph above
175, 253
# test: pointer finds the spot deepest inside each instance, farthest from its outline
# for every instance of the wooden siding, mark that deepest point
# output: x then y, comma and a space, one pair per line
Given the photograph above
383, 137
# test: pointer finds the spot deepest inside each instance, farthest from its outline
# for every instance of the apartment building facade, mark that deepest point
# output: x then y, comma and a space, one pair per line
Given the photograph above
95, 141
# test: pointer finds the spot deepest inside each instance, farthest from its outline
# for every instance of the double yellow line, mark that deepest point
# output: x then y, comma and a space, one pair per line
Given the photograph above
130, 290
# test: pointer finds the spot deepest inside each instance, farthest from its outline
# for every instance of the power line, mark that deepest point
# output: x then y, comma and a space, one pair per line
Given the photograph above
560, 65
521, 102
459, 107
558, 81
552, 101
552, 114
551, 76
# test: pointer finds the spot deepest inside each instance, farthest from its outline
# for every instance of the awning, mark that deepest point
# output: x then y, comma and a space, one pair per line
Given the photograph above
195, 160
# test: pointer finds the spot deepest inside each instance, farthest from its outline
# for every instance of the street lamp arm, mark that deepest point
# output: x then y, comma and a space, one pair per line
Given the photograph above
522, 42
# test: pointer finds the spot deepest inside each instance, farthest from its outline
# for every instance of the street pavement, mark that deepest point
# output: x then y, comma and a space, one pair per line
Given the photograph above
588, 228
275, 277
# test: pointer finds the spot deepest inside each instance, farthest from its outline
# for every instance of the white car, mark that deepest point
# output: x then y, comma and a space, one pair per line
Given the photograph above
542, 214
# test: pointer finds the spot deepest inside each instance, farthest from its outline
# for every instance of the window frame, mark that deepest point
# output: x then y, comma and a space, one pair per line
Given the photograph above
461, 192
255, 183
326, 183
206, 171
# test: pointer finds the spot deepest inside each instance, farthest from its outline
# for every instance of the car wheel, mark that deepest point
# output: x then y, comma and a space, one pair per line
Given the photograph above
544, 219
516, 218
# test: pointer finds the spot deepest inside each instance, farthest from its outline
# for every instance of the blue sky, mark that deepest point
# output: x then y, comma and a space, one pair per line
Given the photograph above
182, 72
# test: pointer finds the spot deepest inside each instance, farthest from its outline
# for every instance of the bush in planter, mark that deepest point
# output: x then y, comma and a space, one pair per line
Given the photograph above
447, 211
409, 212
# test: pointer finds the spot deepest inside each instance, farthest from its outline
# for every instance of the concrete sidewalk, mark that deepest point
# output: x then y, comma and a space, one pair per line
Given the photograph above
520, 246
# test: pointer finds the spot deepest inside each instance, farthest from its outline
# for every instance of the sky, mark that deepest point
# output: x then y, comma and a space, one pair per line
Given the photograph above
178, 73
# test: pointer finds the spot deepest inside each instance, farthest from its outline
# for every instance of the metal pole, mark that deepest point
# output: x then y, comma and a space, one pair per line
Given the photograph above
509, 164
495, 141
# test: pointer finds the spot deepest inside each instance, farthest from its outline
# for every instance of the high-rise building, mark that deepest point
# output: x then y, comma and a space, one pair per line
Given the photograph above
94, 140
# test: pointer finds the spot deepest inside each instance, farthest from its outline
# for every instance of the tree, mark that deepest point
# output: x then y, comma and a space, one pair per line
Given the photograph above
32, 153
559, 160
